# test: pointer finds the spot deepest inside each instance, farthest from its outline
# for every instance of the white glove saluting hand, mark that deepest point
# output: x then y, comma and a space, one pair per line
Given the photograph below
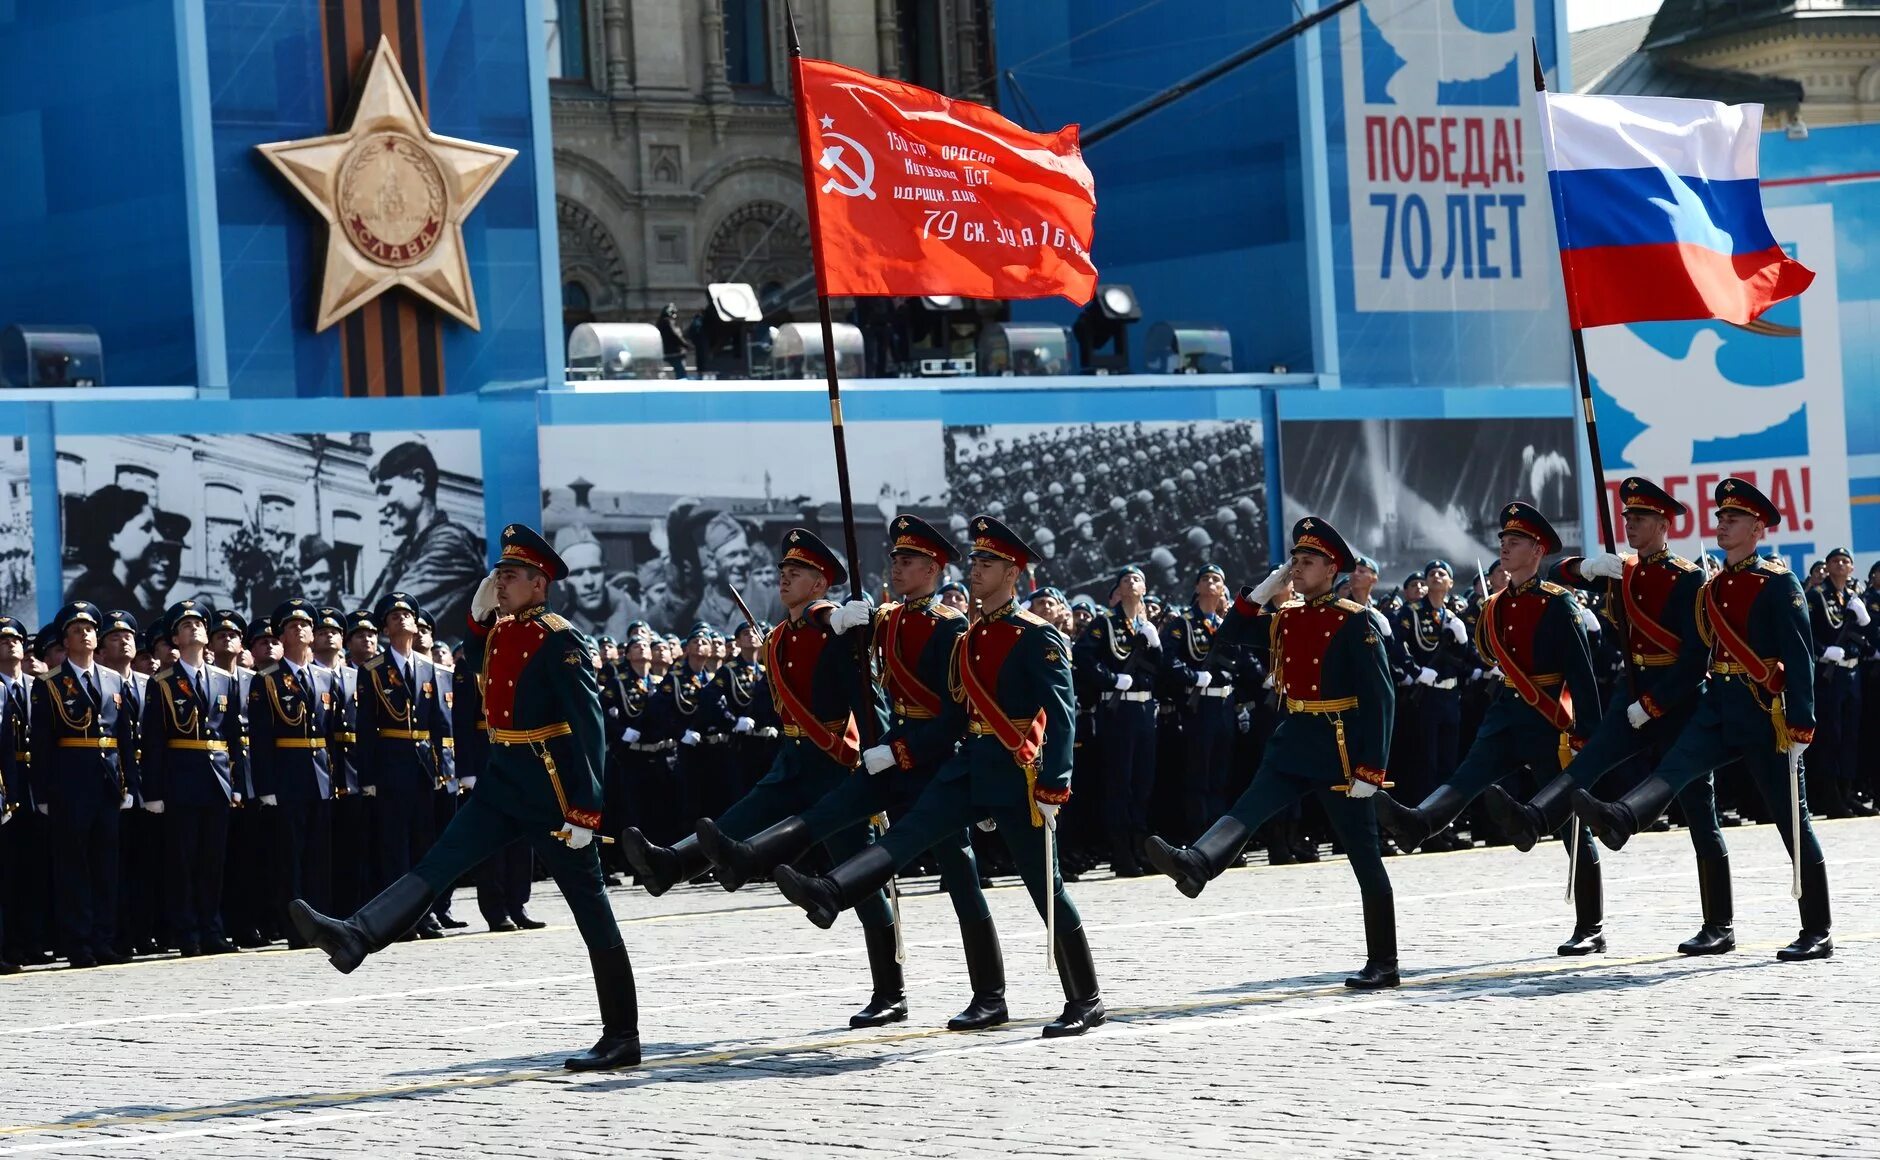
1275, 580
1637, 714
483, 601
878, 758
1602, 564
854, 614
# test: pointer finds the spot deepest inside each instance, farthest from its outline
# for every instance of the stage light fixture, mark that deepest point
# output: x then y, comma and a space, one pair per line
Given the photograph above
1105, 324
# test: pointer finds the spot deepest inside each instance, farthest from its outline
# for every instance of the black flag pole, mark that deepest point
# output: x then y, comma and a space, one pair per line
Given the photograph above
1586, 385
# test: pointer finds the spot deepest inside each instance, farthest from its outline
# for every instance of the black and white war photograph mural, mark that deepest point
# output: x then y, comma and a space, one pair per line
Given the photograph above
1407, 491
246, 521
663, 523
1169, 497
17, 589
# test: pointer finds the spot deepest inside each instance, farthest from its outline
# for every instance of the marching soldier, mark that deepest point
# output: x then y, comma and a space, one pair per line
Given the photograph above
1655, 594
1837, 620
1009, 690
816, 682
506, 878
292, 706
82, 735
401, 722
1330, 672
1752, 623
913, 640
194, 763
1122, 652
542, 785
1532, 632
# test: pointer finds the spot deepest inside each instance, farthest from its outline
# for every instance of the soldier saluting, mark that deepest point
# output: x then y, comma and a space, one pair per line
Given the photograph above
542, 785
1331, 675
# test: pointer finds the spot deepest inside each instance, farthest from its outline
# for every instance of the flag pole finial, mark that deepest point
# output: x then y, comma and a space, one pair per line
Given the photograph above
1540, 74
789, 23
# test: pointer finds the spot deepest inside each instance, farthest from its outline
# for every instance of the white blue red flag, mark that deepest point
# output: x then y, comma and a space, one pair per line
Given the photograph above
1658, 205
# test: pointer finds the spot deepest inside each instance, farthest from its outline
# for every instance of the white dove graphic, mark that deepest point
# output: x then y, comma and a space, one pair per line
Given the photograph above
1438, 47
1681, 401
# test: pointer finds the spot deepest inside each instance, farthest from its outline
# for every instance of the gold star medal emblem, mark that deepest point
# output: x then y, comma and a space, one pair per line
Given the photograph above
394, 196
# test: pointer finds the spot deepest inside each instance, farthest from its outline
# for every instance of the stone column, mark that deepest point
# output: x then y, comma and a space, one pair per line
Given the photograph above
712, 31
888, 38
614, 29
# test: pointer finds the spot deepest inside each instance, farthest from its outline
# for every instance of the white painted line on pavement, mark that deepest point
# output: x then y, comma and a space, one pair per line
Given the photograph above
96, 1143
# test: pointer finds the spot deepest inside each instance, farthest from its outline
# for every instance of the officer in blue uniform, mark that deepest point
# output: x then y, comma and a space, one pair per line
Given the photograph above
914, 639
818, 685
19, 855
194, 759
353, 877
293, 706
1838, 620
542, 785
1758, 707
1532, 632
1200, 676
401, 726
1437, 642
1333, 680
1009, 692
1122, 653
82, 736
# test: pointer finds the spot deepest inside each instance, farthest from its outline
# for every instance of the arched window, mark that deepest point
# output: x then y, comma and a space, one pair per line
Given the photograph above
747, 43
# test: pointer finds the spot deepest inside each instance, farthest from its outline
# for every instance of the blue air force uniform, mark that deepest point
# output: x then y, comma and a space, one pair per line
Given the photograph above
402, 726
293, 723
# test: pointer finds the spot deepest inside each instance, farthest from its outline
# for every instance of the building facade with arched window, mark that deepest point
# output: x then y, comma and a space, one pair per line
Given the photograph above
675, 151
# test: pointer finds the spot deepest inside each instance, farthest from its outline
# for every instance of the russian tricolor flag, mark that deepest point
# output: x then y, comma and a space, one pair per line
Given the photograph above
1658, 205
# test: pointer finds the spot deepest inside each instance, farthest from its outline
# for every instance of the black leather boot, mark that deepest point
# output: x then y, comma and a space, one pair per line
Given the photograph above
1193, 867
619, 1044
660, 868
1615, 822
985, 966
739, 862
376, 925
1083, 1006
1380, 945
846, 885
1814, 942
888, 1004
1413, 827
1589, 905
1713, 893
1526, 823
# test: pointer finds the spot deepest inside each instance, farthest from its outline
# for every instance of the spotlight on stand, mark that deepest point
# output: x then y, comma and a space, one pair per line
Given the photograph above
51, 356
940, 336
1024, 348
1105, 323
724, 349
616, 350
797, 351
1189, 348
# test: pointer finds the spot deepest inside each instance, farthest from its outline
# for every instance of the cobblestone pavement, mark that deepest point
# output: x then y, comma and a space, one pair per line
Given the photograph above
1230, 1032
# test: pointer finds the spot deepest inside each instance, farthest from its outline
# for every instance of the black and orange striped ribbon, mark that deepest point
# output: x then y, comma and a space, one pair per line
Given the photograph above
394, 344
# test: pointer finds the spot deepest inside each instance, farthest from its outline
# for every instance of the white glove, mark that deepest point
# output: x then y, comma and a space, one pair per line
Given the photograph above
1203, 679
630, 735
1457, 630
1833, 652
1048, 812
1476, 675
268, 799
1858, 607
1603, 564
45, 810
483, 600
854, 614
370, 791
1275, 580
235, 799
1637, 715
1796, 748
1150, 637
1360, 790
126, 803
1268, 683
1493, 674
987, 824
1426, 676
690, 737
1123, 682
467, 783
743, 725
153, 807
579, 837
6, 816
878, 758
1589, 620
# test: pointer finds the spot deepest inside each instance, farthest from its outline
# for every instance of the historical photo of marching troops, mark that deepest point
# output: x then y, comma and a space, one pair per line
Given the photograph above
17, 583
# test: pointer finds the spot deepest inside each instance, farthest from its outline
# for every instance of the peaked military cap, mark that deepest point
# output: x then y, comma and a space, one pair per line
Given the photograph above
291, 610
424, 621
1740, 495
395, 602
330, 618
993, 540
1841, 552
1313, 534
12, 627
522, 544
1643, 495
233, 622
1525, 519
47, 639
118, 620
801, 546
182, 610
259, 627
77, 612
360, 620
912, 534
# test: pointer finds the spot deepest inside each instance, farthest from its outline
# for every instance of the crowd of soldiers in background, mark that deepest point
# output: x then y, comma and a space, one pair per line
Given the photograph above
1170, 728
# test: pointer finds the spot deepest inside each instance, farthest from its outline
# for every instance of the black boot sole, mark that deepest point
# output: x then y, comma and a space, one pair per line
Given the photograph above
1821, 950
1512, 818
313, 928
1169, 861
1720, 946
605, 1057
796, 887
1381, 982
634, 847
977, 1018
873, 1016
1405, 826
1574, 948
1594, 816
728, 856
1096, 1016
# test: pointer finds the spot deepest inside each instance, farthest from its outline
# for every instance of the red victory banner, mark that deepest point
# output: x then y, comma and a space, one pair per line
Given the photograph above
913, 193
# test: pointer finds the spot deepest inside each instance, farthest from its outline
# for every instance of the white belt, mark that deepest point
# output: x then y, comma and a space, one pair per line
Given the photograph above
1218, 691
1131, 696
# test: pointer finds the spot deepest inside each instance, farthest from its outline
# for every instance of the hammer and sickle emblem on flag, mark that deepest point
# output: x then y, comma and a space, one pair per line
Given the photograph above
834, 160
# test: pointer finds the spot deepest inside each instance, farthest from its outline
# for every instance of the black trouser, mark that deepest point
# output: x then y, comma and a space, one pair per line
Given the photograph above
303, 847
404, 834
85, 862
25, 885
1208, 743
1439, 734
248, 899
1835, 754
504, 882
196, 845
1126, 732
351, 864
140, 877
443, 809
